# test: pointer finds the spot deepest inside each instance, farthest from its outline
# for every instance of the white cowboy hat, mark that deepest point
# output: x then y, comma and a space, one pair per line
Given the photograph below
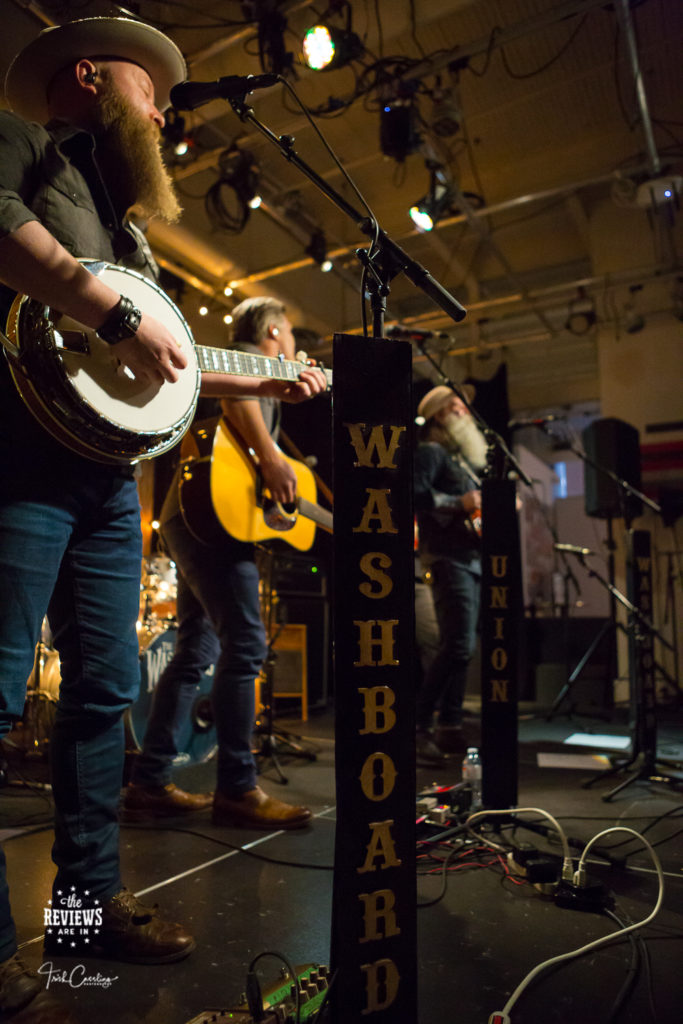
34, 67
440, 396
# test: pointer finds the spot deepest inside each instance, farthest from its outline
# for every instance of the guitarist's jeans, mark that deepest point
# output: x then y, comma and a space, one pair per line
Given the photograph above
219, 623
456, 592
73, 543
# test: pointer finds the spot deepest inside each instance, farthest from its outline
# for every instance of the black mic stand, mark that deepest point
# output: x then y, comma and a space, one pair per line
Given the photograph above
272, 744
385, 259
611, 625
643, 754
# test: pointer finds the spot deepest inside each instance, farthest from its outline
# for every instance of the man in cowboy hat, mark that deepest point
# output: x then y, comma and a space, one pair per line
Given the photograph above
69, 527
449, 457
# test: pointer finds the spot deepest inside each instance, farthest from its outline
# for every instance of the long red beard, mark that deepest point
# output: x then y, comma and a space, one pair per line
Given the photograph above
132, 145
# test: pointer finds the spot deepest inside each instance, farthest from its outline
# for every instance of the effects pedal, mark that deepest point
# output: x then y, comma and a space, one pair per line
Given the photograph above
279, 1001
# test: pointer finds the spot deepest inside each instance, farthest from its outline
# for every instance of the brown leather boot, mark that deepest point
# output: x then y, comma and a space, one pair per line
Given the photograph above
143, 803
23, 1000
132, 932
255, 809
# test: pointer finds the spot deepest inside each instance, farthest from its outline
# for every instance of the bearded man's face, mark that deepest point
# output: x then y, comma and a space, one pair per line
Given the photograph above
131, 138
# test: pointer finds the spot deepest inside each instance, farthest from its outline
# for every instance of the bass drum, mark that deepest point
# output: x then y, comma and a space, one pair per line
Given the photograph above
196, 740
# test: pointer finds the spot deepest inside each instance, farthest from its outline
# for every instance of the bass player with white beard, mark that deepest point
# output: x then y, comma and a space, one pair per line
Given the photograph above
450, 455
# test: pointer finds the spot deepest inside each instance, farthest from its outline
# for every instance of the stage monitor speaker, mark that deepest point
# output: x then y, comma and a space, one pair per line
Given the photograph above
614, 446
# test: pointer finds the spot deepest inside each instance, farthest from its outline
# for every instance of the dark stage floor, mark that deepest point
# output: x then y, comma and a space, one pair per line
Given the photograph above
245, 893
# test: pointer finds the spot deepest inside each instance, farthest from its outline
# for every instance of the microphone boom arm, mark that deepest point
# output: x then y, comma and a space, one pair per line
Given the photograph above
394, 259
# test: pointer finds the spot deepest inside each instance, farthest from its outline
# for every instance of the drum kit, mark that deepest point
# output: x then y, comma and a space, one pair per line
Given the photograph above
156, 628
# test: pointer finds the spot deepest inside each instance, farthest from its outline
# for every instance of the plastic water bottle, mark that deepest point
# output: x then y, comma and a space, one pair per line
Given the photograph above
471, 773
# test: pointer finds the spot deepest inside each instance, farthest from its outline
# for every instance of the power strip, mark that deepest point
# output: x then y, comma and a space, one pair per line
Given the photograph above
279, 1001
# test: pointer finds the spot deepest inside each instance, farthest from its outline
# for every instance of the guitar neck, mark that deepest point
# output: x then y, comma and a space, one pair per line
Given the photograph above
248, 364
319, 515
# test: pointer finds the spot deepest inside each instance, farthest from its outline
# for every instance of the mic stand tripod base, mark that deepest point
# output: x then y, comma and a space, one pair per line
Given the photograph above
645, 771
271, 742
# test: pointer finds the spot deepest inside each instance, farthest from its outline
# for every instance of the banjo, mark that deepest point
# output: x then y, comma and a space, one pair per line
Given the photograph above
78, 390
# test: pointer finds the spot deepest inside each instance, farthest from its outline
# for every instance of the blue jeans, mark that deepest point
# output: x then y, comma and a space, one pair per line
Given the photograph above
456, 592
70, 546
219, 622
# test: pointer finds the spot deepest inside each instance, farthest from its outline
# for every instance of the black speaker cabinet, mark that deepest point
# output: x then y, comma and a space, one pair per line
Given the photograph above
611, 445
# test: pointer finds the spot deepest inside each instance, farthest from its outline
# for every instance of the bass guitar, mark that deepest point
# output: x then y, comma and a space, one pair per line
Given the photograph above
221, 489
78, 390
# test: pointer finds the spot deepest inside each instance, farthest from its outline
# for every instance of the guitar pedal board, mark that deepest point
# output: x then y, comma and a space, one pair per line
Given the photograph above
279, 1001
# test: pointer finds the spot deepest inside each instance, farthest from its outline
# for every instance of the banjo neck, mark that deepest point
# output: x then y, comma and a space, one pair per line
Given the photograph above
248, 364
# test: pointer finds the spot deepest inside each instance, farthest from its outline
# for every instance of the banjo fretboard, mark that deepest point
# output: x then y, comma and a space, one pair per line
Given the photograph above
247, 364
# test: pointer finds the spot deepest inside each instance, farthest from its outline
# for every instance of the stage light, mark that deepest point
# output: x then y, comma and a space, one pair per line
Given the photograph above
227, 319
228, 290
203, 310
317, 250
326, 46
432, 207
176, 142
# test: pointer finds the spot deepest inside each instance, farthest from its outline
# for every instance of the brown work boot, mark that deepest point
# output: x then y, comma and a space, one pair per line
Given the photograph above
255, 809
23, 1000
130, 931
142, 803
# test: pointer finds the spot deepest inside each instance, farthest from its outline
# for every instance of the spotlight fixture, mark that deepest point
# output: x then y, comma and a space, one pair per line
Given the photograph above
326, 47
580, 314
426, 212
176, 141
317, 250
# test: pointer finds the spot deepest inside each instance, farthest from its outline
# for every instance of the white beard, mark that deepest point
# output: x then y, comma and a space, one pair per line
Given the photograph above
464, 434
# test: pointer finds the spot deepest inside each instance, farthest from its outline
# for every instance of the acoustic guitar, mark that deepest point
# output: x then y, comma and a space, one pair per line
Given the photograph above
78, 390
221, 488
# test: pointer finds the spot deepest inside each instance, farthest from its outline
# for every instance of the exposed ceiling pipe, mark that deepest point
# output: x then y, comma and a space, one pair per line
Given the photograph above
624, 15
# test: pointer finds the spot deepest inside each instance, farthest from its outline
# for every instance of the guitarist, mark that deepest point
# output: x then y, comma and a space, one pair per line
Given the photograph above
450, 454
70, 537
219, 623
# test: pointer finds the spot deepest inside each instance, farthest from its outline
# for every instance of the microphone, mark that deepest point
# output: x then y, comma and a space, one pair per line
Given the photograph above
540, 421
190, 95
413, 334
573, 549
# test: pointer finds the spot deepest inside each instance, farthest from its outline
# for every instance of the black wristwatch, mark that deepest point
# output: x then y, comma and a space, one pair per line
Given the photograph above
122, 322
